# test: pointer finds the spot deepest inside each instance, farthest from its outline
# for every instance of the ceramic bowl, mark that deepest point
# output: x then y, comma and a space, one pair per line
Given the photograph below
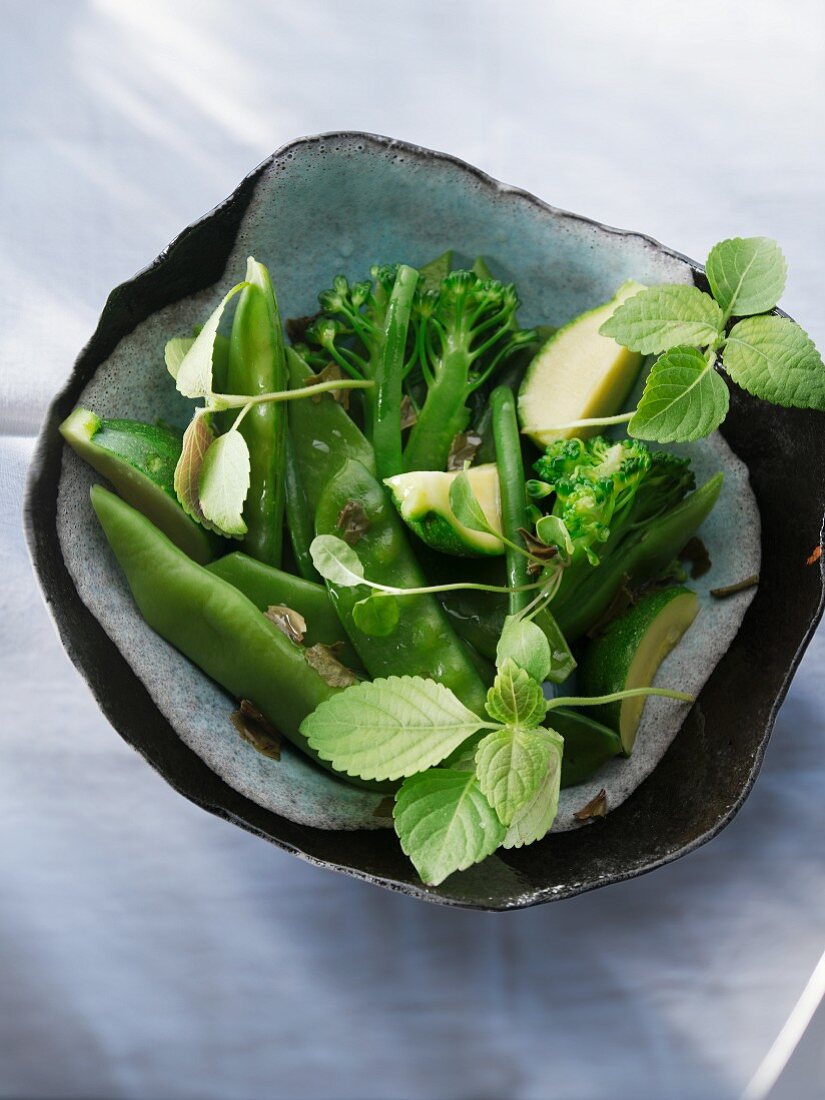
339, 202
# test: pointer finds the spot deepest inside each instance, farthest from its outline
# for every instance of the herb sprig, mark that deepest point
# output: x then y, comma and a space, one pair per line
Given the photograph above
471, 783
685, 398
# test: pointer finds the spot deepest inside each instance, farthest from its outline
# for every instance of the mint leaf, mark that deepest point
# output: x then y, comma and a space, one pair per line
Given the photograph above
194, 370
390, 727
445, 823
684, 399
746, 274
224, 483
534, 819
376, 615
175, 352
526, 644
773, 358
197, 439
466, 508
336, 561
510, 765
515, 697
663, 317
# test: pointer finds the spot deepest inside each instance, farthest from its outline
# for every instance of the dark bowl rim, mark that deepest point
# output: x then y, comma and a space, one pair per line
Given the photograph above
48, 439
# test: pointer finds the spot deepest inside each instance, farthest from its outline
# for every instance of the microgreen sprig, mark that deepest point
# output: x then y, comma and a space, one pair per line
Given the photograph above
213, 474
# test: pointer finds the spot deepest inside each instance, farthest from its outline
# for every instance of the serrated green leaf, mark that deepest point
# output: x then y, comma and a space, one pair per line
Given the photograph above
535, 818
746, 274
224, 483
510, 765
526, 644
466, 508
389, 728
197, 439
773, 358
376, 615
552, 530
663, 317
175, 352
684, 399
336, 561
515, 697
445, 823
194, 371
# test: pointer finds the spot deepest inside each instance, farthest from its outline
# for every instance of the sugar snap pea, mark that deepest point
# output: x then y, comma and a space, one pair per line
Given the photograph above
139, 460
257, 365
265, 585
213, 624
423, 643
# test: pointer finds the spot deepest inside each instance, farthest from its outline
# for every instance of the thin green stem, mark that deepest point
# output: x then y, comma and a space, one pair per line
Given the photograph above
628, 693
592, 422
240, 416
457, 586
217, 402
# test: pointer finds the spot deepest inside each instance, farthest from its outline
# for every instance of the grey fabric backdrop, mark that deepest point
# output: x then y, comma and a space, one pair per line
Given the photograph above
149, 950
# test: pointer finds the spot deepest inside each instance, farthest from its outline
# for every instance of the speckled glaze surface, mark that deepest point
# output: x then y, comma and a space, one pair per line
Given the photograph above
341, 202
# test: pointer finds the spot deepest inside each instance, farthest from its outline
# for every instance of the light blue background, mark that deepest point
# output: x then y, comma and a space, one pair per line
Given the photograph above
149, 950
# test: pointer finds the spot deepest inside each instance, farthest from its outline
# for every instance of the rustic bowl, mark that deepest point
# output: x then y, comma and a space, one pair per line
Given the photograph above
341, 201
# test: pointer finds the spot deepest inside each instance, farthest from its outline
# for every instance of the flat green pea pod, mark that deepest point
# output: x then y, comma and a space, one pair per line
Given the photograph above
213, 624
422, 643
478, 618
139, 460
266, 586
323, 435
257, 365
587, 744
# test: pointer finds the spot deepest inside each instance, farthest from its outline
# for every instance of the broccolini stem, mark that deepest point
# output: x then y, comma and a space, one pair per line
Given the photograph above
386, 426
512, 490
442, 416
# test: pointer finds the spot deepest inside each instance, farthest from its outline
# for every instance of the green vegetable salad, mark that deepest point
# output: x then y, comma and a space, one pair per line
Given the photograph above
393, 536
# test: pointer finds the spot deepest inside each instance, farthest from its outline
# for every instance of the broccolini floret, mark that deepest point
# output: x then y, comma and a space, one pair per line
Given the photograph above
628, 511
465, 330
594, 482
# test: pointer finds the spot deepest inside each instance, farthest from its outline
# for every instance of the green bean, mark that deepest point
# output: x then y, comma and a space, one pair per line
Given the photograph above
512, 488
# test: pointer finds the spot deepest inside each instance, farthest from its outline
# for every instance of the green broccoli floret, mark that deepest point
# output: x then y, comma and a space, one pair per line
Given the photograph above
352, 327
365, 328
465, 330
594, 482
628, 511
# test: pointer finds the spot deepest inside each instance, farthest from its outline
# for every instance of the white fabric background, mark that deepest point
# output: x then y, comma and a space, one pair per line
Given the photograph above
149, 950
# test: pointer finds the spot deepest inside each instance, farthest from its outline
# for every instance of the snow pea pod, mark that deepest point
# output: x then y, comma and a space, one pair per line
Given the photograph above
213, 624
257, 365
587, 744
323, 436
300, 520
423, 643
265, 585
139, 460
